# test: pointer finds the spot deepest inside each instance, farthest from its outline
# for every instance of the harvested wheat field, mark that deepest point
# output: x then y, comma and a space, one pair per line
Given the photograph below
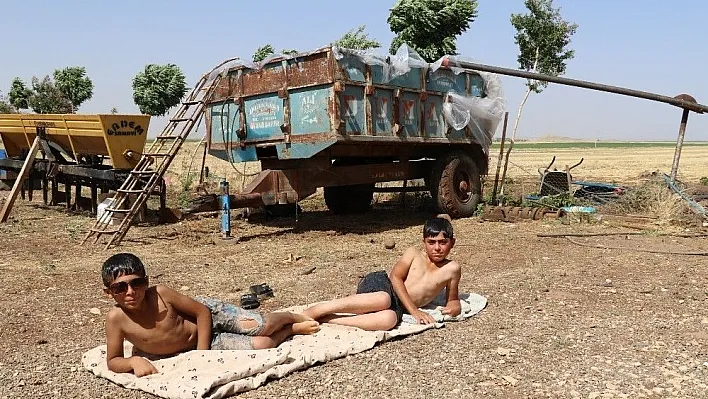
600, 316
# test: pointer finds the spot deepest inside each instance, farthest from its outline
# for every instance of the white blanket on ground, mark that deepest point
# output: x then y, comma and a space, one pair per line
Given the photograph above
218, 374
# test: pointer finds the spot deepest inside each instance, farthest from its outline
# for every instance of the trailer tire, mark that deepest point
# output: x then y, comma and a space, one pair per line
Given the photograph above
349, 199
458, 189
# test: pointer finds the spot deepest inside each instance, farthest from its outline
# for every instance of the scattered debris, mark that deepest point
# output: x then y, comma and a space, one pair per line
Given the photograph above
389, 243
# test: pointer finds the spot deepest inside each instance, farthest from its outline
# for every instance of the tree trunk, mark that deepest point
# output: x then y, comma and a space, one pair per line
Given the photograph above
516, 127
513, 139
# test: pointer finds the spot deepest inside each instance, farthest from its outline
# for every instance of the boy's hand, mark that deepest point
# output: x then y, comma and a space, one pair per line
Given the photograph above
453, 308
423, 318
141, 366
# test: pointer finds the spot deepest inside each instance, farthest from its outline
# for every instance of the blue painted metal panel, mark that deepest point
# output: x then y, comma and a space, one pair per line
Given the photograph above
309, 110
302, 150
225, 122
3, 155
410, 80
264, 116
237, 154
382, 112
434, 125
352, 110
409, 114
354, 68
244, 154
477, 85
444, 80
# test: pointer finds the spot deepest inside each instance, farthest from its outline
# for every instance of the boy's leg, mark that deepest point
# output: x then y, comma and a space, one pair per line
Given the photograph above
276, 321
383, 320
358, 304
280, 325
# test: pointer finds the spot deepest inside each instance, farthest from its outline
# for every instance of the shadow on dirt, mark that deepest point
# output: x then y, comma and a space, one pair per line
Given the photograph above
381, 218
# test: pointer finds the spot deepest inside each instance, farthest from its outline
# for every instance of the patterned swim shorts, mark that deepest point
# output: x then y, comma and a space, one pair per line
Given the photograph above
227, 325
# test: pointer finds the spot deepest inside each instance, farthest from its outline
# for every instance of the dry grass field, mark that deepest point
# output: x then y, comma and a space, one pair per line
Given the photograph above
605, 316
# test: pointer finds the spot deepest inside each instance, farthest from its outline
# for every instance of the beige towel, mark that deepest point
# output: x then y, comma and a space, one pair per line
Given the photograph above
217, 374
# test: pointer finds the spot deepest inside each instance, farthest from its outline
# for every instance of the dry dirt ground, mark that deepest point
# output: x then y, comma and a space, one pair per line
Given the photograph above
563, 320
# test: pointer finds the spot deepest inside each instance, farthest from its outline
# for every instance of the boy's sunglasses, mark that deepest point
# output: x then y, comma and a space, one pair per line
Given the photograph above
122, 287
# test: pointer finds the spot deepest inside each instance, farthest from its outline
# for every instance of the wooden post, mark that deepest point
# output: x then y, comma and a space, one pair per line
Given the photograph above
500, 159
24, 172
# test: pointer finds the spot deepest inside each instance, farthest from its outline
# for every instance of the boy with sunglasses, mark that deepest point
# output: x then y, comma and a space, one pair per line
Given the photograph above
416, 279
160, 321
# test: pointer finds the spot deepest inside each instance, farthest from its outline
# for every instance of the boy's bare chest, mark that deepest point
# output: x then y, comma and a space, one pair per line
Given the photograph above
423, 272
156, 326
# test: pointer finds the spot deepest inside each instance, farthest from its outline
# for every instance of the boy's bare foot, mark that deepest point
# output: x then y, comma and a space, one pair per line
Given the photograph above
300, 317
313, 312
305, 327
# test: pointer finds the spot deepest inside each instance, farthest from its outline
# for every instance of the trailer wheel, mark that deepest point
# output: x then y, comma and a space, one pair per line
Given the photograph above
458, 189
349, 199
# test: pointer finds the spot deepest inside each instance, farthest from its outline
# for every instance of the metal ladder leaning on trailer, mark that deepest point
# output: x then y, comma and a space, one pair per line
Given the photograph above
153, 164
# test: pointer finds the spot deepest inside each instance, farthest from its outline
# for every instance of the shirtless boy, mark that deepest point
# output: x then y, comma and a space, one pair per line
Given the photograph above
160, 321
416, 279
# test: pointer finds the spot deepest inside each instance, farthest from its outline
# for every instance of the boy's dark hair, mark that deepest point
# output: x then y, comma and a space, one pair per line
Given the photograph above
435, 226
119, 265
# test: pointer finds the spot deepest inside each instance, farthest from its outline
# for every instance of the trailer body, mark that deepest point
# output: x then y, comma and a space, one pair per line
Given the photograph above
346, 119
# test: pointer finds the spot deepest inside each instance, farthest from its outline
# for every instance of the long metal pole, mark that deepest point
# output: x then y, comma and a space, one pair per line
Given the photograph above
679, 144
679, 102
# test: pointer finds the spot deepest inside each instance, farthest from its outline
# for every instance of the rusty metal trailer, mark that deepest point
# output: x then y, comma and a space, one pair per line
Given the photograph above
345, 119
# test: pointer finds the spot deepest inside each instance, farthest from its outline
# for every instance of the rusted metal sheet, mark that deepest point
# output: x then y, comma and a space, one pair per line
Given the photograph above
269, 79
312, 70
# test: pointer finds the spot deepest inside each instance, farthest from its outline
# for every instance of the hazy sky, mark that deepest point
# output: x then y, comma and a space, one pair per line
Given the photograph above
649, 45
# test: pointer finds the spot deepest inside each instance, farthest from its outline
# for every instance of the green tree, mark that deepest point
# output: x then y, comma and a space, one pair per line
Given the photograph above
46, 98
543, 38
73, 83
19, 94
357, 39
430, 27
5, 106
289, 52
263, 52
158, 88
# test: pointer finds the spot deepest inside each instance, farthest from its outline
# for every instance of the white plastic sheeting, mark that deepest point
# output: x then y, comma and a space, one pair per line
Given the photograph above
460, 110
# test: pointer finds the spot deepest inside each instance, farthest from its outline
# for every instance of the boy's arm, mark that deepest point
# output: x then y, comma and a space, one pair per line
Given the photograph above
193, 308
115, 359
398, 275
452, 307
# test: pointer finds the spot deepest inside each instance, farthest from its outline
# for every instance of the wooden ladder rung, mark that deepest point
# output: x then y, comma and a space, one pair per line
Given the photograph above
124, 191
114, 210
104, 231
156, 155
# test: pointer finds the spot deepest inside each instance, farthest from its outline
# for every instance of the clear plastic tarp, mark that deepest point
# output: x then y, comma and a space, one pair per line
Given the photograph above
392, 65
481, 114
460, 110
